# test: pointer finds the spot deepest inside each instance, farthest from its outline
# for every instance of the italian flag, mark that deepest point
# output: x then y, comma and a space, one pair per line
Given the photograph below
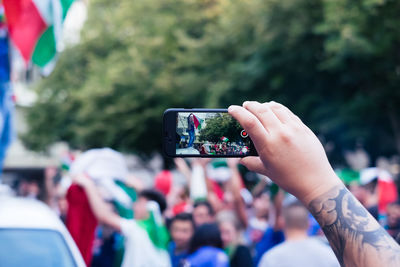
386, 187
197, 122
35, 27
224, 139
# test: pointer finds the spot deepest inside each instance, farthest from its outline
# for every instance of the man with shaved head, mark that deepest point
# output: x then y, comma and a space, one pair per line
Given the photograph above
298, 249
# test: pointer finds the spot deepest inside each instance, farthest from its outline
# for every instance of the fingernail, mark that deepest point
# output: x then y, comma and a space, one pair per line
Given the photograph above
231, 108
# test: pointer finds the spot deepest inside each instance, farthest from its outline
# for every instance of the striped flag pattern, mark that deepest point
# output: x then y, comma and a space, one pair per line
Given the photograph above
35, 28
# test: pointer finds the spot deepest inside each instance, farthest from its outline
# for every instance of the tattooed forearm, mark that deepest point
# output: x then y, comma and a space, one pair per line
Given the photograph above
355, 236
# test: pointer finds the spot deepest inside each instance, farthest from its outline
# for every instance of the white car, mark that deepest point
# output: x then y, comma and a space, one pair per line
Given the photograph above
31, 234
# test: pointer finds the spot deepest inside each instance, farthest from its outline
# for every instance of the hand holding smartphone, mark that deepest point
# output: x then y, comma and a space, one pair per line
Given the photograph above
204, 133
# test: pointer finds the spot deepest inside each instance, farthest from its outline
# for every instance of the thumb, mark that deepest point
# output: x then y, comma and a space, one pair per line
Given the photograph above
254, 164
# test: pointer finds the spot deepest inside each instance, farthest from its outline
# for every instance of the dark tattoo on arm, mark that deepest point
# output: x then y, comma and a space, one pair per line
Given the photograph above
355, 236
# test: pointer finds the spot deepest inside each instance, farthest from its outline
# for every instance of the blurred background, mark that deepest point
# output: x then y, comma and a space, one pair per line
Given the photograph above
99, 73
122, 63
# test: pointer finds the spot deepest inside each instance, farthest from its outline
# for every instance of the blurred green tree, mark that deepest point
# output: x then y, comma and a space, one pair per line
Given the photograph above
220, 126
112, 88
361, 53
334, 62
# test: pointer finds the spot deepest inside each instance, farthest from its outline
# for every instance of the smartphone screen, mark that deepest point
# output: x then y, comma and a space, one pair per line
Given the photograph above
205, 133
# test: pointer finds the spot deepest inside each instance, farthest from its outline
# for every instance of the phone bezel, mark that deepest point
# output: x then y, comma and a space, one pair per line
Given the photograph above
169, 134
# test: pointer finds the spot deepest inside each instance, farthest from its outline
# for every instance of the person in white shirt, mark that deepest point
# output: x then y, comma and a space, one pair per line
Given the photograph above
298, 249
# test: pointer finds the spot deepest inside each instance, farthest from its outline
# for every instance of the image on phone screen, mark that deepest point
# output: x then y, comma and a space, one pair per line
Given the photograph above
210, 134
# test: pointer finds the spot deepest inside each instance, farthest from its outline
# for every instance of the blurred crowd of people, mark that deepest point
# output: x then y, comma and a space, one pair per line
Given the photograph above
214, 217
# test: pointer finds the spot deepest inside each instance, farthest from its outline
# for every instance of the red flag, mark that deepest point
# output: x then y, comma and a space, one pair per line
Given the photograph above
196, 121
25, 25
387, 193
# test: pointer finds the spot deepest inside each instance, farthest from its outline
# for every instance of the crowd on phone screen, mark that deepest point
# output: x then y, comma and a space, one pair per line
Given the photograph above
221, 148
217, 217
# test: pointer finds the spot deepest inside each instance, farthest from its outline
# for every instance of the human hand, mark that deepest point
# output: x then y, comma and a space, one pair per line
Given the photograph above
289, 152
201, 161
82, 179
233, 162
180, 163
134, 182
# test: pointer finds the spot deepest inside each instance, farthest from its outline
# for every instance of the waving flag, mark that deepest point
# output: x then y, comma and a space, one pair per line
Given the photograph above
197, 122
387, 191
224, 139
146, 240
35, 28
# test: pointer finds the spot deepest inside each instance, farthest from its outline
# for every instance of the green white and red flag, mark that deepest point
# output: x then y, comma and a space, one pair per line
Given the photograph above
35, 28
224, 139
1, 14
3, 28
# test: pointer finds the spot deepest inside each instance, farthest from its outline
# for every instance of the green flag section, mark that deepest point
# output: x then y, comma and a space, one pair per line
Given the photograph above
1, 13
35, 28
157, 232
224, 139
122, 210
45, 49
348, 176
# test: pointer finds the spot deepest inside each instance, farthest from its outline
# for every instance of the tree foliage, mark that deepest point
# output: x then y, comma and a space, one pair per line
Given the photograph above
334, 62
220, 126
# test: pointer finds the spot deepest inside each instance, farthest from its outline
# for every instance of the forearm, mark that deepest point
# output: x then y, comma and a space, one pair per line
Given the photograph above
278, 203
259, 187
182, 166
101, 210
240, 206
355, 236
289, 150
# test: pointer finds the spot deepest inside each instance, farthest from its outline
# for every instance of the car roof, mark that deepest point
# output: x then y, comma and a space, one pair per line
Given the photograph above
26, 213
16, 212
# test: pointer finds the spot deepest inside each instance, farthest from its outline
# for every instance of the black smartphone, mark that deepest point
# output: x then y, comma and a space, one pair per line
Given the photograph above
204, 133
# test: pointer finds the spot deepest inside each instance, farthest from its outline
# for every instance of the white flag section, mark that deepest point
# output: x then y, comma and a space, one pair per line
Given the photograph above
139, 248
104, 166
145, 240
198, 187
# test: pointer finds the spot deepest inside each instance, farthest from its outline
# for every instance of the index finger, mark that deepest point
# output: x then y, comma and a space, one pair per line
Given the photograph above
264, 114
251, 125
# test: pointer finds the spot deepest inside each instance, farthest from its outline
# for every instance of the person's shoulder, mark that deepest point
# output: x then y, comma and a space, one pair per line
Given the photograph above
317, 242
222, 258
269, 257
206, 251
208, 256
171, 247
278, 248
320, 246
322, 250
